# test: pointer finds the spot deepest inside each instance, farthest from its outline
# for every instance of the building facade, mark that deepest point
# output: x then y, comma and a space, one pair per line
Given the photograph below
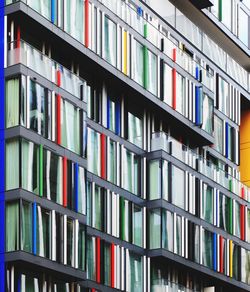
125, 145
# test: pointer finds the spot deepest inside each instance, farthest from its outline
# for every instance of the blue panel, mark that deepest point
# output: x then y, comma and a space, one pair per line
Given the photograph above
34, 228
117, 118
76, 188
53, 11
2, 151
226, 139
215, 251
19, 284
197, 106
197, 73
108, 112
140, 11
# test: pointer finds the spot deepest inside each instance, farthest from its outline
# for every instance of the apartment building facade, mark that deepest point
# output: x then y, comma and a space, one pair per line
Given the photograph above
125, 145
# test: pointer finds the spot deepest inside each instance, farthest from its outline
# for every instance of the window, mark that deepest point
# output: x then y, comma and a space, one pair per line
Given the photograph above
155, 179
43, 232
112, 161
12, 226
178, 236
81, 190
70, 242
178, 187
180, 93
94, 152
41, 6
168, 85
223, 95
138, 64
70, 123
237, 219
208, 114
30, 166
12, 165
135, 273
155, 229
91, 260
12, 102
207, 253
113, 115
26, 226
81, 247
110, 41
243, 32
167, 230
151, 82
73, 20
125, 219
52, 176
131, 172
97, 208
225, 213
218, 134
107, 261
207, 203
225, 12
137, 225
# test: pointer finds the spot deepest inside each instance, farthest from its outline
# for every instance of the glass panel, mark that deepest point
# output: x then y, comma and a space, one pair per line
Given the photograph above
70, 124
94, 152
135, 273
237, 219
97, 208
52, 176
42, 6
154, 179
81, 247
30, 166
70, 242
12, 165
43, 232
152, 73
178, 237
26, 227
81, 191
107, 261
207, 203
112, 161
218, 134
168, 85
207, 116
165, 179
91, 261
12, 226
138, 63
223, 96
224, 213
197, 244
134, 129
137, 225
167, 230
178, 187
125, 219
155, 229
110, 42
12, 102
180, 93
226, 12
207, 254
73, 18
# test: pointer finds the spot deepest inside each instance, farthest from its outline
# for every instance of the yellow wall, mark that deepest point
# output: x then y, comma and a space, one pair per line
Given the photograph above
245, 148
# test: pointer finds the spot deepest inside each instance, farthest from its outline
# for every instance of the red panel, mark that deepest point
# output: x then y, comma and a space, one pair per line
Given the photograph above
103, 156
92, 290
98, 260
174, 55
18, 37
243, 193
65, 181
58, 119
58, 78
87, 23
242, 222
112, 272
174, 88
221, 254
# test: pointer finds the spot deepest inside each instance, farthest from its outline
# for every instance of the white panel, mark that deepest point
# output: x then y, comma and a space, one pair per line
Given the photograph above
128, 55
127, 270
145, 130
98, 37
109, 210
158, 76
186, 191
53, 235
108, 158
118, 266
117, 215
53, 118
227, 255
144, 273
144, 177
148, 273
122, 116
76, 238
186, 238
103, 15
27, 103
218, 253
65, 239
182, 236
175, 232
93, 204
114, 218
214, 206
12, 278
118, 164
201, 245
190, 189
5, 42
144, 227
122, 268
118, 40
93, 31
12, 35
234, 217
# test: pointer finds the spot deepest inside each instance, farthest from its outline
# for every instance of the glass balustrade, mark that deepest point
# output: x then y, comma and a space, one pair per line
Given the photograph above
161, 141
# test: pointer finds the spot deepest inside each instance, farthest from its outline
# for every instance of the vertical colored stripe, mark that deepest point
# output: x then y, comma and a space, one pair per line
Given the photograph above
76, 187
103, 156
18, 37
118, 118
197, 73
139, 11
221, 254
58, 120
125, 53
145, 67
65, 185
53, 11
174, 55
98, 260
112, 264
220, 10
215, 251
242, 192
231, 258
174, 88
58, 78
2, 150
41, 170
87, 23
242, 222
34, 228
19, 284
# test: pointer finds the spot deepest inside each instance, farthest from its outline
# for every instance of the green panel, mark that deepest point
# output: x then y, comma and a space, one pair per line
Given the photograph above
220, 9
230, 185
145, 30
41, 170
